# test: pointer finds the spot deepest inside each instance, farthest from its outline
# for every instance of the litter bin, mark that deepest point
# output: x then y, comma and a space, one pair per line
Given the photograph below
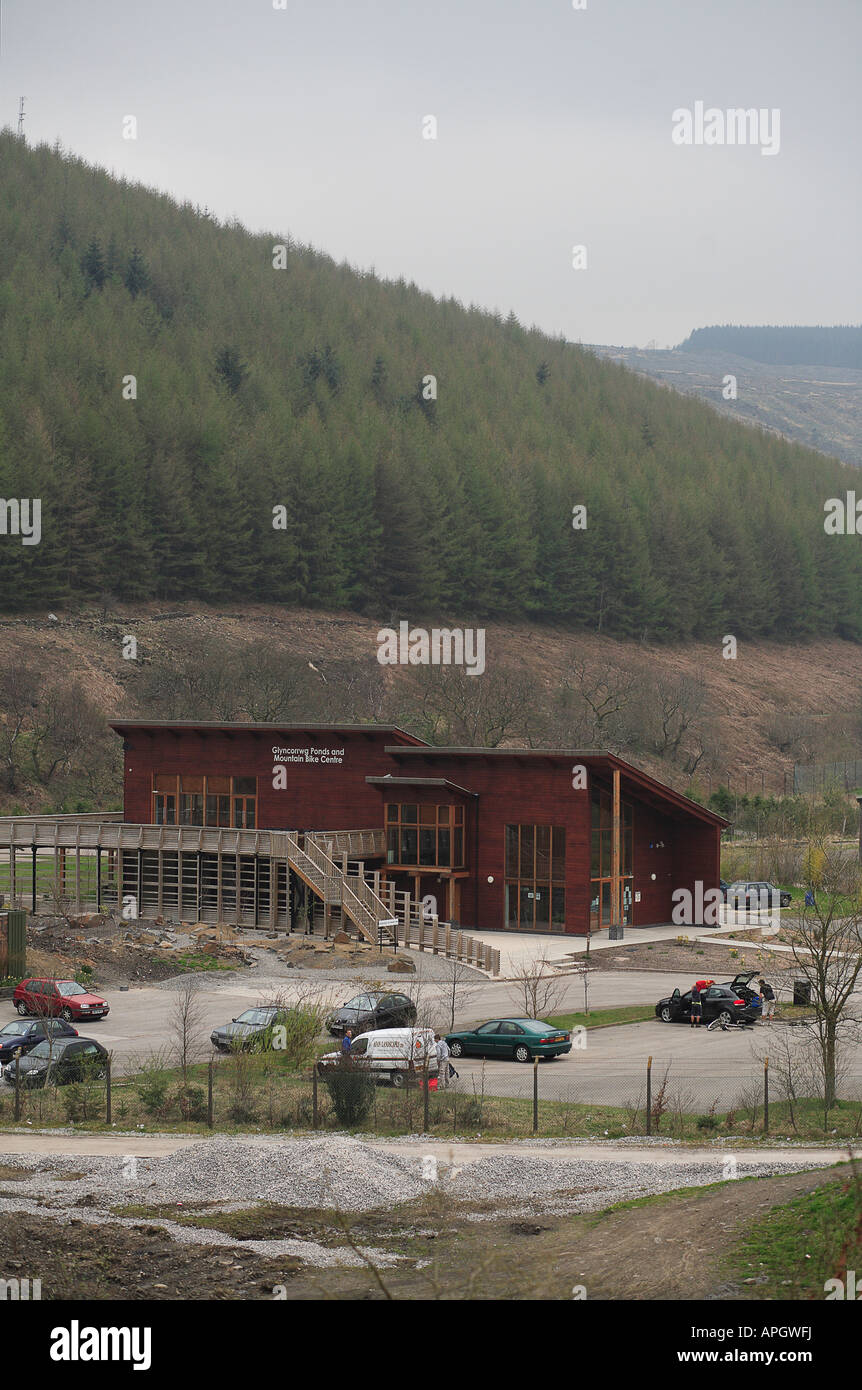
802, 991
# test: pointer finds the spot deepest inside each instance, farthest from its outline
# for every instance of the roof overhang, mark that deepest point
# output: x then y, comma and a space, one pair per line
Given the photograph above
231, 728
596, 760
432, 782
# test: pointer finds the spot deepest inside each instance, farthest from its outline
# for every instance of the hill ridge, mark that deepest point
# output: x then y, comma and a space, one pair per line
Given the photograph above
164, 390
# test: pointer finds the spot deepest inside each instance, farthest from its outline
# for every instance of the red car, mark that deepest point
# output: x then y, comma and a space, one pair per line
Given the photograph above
47, 998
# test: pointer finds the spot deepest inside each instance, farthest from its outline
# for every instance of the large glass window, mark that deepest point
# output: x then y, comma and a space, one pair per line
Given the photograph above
183, 799
164, 800
535, 877
601, 858
425, 836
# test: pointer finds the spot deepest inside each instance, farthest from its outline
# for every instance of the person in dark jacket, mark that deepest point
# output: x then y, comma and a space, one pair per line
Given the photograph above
347, 1041
696, 1011
767, 994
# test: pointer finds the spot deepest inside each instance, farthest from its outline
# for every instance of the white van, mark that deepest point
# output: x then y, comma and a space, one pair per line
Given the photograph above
392, 1053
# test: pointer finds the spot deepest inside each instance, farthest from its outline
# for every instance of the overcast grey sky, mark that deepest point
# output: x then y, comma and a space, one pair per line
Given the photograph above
554, 129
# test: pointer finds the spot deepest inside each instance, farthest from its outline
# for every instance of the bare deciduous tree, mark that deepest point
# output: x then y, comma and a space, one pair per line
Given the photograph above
271, 684
536, 988
19, 694
827, 953
480, 711
186, 1023
458, 985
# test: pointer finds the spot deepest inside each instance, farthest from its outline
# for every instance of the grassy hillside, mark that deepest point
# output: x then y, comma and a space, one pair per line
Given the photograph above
820, 407
302, 388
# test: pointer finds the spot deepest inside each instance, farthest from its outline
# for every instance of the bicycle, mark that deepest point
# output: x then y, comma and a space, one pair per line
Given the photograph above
729, 1025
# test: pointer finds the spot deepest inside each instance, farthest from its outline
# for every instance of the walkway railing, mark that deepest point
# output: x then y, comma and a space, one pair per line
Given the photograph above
383, 916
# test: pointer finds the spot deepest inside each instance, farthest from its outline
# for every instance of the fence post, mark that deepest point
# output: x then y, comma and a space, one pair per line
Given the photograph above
425, 1096
649, 1095
766, 1095
314, 1096
108, 1092
18, 1055
535, 1095
435, 933
210, 1115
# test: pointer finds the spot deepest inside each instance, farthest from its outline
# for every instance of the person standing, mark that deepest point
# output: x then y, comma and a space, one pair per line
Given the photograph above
696, 1011
442, 1062
767, 994
347, 1042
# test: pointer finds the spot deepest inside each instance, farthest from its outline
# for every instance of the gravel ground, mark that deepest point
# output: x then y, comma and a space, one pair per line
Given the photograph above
429, 969
337, 1173
347, 1174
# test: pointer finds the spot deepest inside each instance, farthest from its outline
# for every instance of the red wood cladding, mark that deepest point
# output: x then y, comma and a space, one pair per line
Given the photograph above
673, 846
319, 795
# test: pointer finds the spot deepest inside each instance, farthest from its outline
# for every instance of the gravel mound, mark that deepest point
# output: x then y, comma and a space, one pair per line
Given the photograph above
328, 1171
324, 1172
339, 1172
593, 1185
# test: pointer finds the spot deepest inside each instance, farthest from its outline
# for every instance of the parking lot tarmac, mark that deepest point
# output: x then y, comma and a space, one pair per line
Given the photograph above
142, 1018
609, 1068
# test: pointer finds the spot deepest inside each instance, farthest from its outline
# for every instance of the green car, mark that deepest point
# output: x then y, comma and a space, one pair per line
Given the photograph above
521, 1038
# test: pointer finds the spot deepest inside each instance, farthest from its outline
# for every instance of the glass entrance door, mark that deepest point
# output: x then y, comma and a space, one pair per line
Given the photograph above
600, 904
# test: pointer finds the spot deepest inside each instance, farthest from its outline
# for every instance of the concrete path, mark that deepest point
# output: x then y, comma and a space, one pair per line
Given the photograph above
94, 1145
466, 1152
461, 1151
517, 947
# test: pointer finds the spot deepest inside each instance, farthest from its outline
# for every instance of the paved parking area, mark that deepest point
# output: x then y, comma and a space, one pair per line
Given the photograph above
610, 1067
142, 1019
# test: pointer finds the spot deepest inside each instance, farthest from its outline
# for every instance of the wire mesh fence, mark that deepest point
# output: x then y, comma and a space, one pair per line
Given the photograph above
247, 1092
809, 777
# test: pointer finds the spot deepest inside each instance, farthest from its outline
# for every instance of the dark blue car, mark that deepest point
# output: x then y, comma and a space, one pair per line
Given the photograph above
26, 1034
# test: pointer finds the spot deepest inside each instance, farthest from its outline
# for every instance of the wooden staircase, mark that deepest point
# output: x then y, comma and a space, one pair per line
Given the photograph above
327, 879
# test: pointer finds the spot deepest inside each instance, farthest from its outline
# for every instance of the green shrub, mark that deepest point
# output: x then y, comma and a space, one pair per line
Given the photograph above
152, 1084
293, 1037
351, 1090
74, 1103
471, 1114
191, 1102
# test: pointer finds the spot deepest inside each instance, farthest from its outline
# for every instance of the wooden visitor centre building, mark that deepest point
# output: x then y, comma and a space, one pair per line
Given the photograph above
261, 824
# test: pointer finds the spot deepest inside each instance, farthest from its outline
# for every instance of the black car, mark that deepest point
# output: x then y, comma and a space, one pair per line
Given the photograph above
719, 1001
377, 1009
23, 1034
745, 985
58, 1061
756, 894
252, 1031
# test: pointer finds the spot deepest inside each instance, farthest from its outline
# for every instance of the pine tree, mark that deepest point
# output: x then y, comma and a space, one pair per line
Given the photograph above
231, 369
136, 277
93, 266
